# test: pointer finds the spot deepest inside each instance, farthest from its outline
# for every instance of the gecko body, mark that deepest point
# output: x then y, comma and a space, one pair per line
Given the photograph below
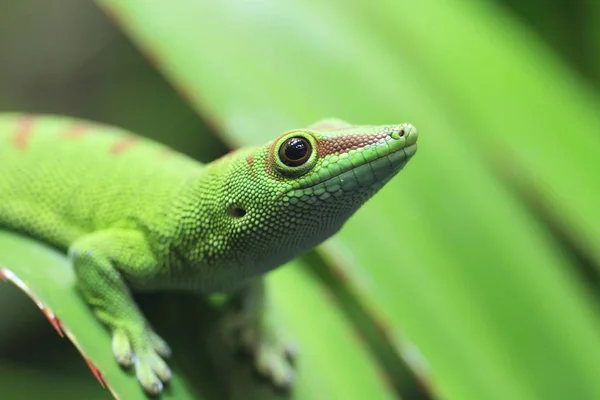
134, 215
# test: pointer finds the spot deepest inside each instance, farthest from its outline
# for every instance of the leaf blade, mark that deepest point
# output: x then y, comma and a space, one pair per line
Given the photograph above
283, 86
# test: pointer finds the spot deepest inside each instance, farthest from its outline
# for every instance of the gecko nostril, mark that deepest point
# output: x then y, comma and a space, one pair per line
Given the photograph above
407, 131
397, 131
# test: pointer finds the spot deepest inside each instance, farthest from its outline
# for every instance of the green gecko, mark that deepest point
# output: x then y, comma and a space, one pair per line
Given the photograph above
134, 215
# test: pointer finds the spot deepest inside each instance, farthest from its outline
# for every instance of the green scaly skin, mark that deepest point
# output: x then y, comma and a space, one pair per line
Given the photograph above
134, 215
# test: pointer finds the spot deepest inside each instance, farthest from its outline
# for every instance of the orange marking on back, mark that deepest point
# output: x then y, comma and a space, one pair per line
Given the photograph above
21, 138
124, 144
76, 131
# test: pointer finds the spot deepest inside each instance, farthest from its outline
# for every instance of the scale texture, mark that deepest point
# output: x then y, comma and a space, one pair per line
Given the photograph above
135, 215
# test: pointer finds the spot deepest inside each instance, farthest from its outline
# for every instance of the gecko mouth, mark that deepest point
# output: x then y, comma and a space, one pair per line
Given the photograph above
360, 176
367, 174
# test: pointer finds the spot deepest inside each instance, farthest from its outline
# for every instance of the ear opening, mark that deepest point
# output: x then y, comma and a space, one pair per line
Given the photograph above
236, 211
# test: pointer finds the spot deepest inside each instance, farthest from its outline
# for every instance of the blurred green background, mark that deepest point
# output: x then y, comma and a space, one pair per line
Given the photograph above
473, 275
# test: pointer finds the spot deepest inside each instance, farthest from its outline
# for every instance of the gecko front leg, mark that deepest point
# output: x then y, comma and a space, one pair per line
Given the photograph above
101, 261
259, 334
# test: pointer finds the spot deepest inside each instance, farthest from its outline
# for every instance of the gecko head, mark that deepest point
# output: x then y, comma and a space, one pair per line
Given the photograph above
289, 195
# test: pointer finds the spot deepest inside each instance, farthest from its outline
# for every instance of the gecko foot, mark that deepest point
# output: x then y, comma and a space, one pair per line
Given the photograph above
273, 358
143, 351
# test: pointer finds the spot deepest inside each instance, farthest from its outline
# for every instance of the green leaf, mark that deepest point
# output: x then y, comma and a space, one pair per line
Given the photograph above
530, 114
452, 259
46, 276
203, 365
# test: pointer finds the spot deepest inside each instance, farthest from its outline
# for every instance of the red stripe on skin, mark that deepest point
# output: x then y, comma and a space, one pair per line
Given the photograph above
125, 144
76, 131
250, 161
21, 138
343, 144
270, 164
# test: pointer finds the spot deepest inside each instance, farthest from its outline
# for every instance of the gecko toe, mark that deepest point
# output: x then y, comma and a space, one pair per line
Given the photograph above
160, 368
272, 359
143, 350
273, 364
147, 378
159, 345
152, 372
291, 351
122, 348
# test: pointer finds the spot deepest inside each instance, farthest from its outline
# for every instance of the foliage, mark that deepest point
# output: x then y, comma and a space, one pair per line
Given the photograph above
478, 275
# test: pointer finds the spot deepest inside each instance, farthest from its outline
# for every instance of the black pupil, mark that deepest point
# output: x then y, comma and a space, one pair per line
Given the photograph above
296, 149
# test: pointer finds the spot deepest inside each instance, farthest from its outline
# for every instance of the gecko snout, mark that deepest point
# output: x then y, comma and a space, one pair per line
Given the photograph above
405, 130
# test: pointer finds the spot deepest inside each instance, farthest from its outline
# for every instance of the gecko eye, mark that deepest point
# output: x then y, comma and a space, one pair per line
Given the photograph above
295, 151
